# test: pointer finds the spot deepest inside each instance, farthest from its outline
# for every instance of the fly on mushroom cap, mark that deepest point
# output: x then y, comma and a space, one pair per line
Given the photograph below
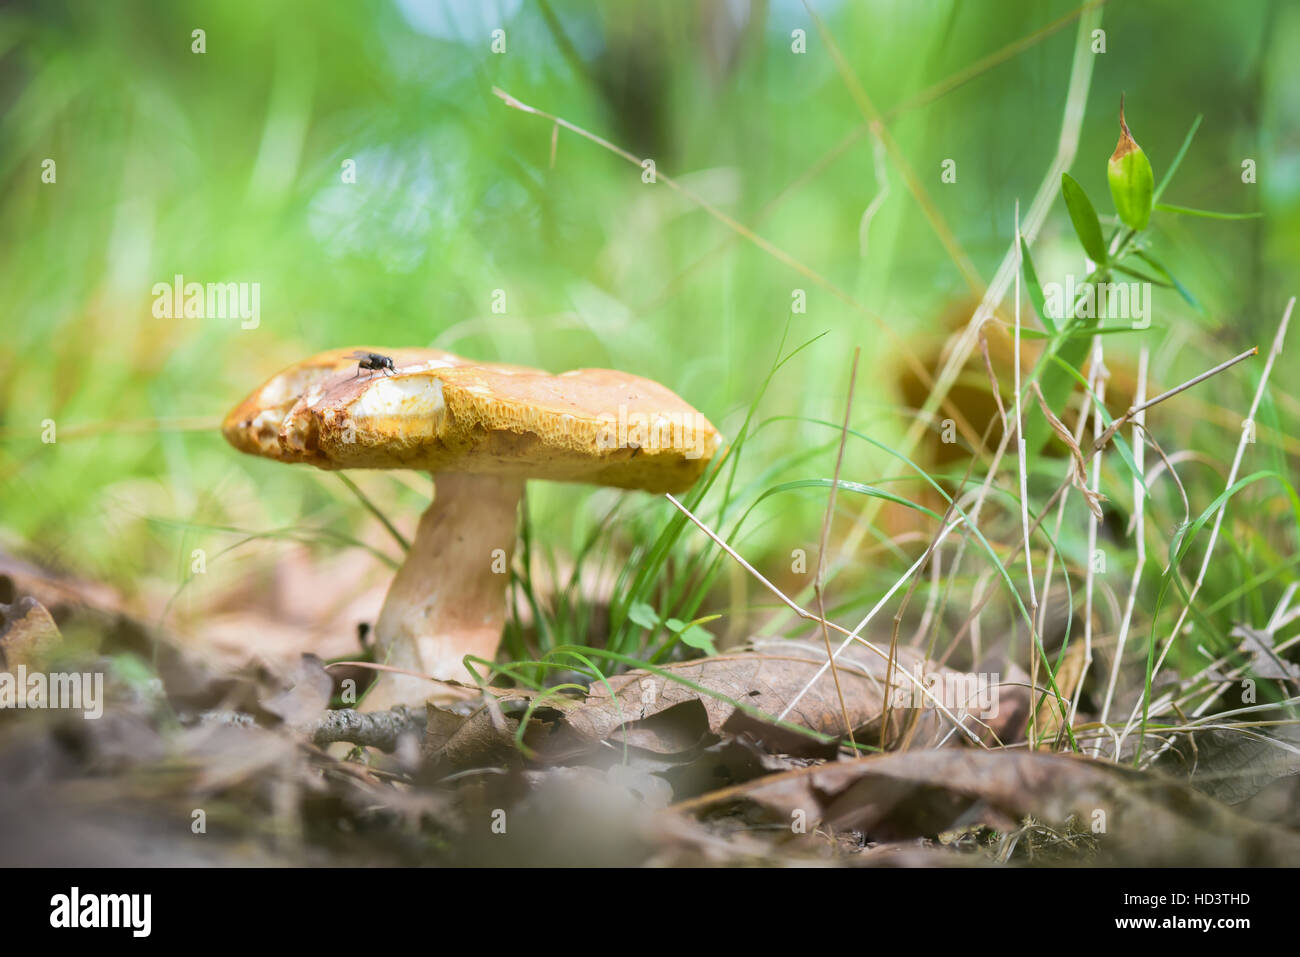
481, 429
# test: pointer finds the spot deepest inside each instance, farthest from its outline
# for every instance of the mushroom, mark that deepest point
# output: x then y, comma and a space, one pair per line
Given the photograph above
481, 429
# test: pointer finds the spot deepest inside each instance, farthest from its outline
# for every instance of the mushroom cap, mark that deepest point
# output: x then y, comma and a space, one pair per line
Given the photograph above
438, 412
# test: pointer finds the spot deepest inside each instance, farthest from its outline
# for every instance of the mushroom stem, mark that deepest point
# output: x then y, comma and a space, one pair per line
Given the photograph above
448, 598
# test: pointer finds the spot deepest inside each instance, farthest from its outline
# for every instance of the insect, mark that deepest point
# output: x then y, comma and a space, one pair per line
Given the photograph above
373, 361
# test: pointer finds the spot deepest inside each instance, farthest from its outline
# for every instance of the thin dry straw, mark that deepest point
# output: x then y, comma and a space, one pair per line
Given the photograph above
1273, 353
1232, 479
1020, 437
978, 605
855, 633
803, 613
1090, 574
1140, 535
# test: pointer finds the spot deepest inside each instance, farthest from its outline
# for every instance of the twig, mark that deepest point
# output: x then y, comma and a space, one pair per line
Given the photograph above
235, 719
1195, 380
369, 729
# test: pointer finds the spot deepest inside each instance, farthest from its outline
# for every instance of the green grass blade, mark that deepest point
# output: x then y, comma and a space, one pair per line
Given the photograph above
1178, 158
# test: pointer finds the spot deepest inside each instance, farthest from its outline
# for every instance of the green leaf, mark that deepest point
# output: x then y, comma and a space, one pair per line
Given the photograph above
1086, 225
1132, 184
642, 614
1204, 213
132, 670
675, 625
1087, 332
1139, 274
1160, 268
697, 637
1075, 332
1034, 288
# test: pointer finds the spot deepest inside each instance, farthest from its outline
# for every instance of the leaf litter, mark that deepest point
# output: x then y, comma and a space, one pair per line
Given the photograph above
685, 764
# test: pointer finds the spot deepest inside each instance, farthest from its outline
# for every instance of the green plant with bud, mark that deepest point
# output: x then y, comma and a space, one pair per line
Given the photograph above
1132, 185
1126, 252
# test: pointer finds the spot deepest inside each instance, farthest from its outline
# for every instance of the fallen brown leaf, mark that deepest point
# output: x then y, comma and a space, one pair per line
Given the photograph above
307, 694
1136, 817
749, 689
28, 634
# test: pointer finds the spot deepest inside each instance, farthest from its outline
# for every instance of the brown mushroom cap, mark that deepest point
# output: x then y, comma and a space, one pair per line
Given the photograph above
442, 413
481, 429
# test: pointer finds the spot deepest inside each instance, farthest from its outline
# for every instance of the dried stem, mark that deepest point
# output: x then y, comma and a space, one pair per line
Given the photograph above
851, 636
1246, 437
1140, 535
1090, 572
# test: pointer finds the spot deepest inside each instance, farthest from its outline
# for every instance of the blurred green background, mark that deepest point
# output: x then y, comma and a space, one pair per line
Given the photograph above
226, 166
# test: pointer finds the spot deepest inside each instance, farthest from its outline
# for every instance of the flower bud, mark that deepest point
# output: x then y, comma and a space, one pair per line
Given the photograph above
1131, 181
